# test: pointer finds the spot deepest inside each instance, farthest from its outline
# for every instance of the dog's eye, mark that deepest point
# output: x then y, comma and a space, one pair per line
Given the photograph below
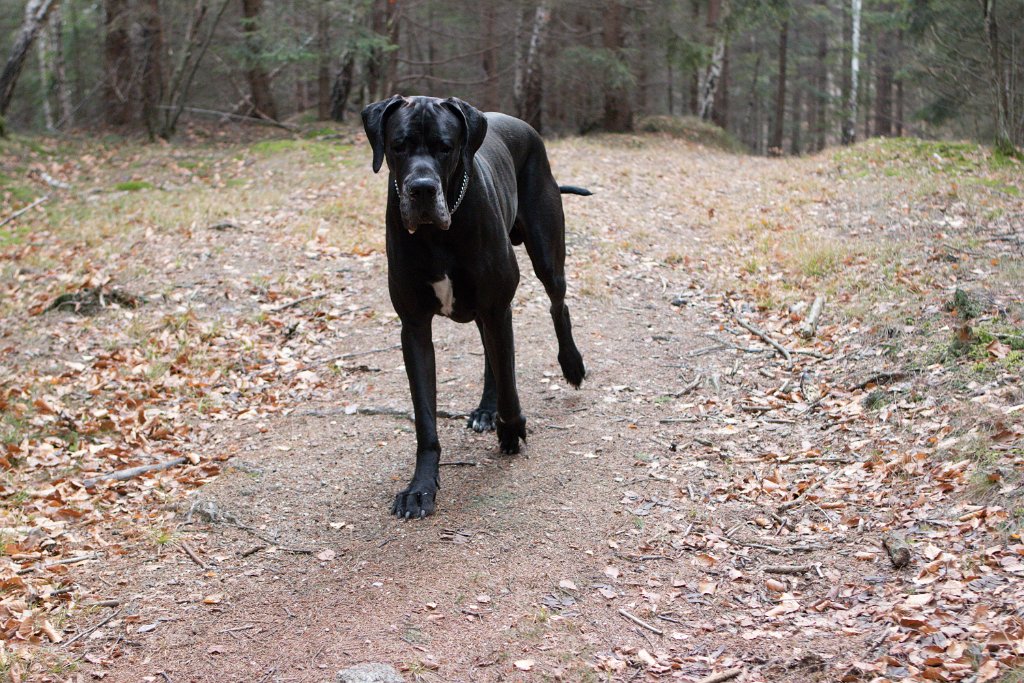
398, 145
445, 148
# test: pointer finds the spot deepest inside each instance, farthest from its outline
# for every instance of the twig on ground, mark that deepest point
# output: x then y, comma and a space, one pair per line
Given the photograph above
56, 563
82, 634
686, 389
758, 332
880, 378
192, 554
24, 210
131, 472
357, 354
726, 675
790, 569
810, 324
458, 463
297, 302
640, 622
799, 500
223, 225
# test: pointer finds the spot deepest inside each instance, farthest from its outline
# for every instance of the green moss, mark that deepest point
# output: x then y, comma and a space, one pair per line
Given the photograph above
133, 186
693, 129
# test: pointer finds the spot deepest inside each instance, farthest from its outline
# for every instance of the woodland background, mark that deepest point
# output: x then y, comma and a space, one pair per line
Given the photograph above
782, 76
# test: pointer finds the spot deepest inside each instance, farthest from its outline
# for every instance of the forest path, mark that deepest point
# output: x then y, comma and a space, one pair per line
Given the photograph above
701, 504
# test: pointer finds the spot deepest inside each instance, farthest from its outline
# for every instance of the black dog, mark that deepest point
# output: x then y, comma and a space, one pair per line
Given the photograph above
464, 187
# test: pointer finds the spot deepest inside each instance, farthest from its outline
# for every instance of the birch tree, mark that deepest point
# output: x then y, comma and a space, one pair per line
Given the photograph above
36, 12
850, 122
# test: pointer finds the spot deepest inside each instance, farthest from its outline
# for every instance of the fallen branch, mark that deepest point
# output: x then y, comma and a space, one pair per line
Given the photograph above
19, 212
132, 472
726, 675
758, 332
301, 300
898, 550
56, 563
640, 622
90, 630
789, 569
239, 117
357, 354
810, 324
192, 554
799, 500
880, 378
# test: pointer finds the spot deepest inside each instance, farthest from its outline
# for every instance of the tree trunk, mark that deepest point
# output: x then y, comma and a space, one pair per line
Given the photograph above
45, 59
263, 105
778, 130
150, 55
489, 60
850, 123
720, 109
191, 55
60, 77
36, 13
323, 63
117, 63
821, 95
796, 140
391, 64
618, 111
1004, 139
883, 83
529, 97
709, 85
342, 88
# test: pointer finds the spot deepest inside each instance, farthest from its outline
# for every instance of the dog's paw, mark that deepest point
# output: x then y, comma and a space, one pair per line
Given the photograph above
509, 434
481, 420
572, 366
415, 502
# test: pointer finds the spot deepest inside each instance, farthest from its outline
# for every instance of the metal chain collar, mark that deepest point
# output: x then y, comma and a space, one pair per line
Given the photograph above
462, 192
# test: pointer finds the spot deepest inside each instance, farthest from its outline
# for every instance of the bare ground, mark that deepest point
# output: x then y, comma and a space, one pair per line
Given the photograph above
667, 489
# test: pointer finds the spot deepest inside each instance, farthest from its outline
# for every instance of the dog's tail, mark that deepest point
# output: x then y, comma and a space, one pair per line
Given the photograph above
572, 189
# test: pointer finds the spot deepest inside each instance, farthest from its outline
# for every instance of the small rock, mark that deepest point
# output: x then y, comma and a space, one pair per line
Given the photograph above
370, 673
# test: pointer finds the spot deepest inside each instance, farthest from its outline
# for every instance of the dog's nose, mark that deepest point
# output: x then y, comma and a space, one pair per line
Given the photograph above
422, 188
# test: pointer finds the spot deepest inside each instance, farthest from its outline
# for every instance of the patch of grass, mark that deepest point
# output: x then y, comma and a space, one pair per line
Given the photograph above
692, 129
133, 186
161, 537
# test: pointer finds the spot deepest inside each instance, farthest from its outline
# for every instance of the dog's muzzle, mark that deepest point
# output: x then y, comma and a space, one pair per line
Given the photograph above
422, 202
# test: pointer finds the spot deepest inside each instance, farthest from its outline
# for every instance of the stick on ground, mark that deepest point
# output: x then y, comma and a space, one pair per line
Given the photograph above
758, 332
131, 472
640, 622
726, 675
28, 208
810, 324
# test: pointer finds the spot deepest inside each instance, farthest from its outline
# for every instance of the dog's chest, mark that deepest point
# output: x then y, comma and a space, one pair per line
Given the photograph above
445, 294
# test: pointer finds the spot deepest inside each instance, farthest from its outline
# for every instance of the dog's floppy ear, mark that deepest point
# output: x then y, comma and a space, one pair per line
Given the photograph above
475, 127
374, 118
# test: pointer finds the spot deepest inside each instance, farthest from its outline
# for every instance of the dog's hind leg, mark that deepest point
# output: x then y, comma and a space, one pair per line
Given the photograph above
543, 228
482, 419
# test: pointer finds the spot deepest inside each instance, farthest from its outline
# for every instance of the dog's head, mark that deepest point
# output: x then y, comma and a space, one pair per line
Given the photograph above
428, 143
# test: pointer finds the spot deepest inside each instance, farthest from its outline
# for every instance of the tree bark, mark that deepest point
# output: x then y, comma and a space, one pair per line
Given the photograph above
150, 55
1004, 139
883, 83
529, 96
489, 57
720, 109
36, 13
850, 123
323, 63
778, 129
60, 77
717, 9
618, 110
117, 63
263, 104
821, 95
45, 59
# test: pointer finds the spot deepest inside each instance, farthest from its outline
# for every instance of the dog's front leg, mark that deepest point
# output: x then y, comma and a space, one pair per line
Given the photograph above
417, 500
501, 355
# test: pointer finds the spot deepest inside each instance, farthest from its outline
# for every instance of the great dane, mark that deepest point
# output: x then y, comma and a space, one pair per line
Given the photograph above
463, 188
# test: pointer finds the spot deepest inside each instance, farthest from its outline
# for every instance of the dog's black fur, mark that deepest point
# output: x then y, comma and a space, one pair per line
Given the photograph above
456, 258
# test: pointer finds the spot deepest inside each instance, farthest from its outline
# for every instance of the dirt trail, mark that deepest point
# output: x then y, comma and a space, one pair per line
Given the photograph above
618, 503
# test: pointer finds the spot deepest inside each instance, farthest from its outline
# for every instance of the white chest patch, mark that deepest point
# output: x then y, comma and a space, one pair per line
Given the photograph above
443, 292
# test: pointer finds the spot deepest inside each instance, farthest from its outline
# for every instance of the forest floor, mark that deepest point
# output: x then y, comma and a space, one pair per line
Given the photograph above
713, 501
